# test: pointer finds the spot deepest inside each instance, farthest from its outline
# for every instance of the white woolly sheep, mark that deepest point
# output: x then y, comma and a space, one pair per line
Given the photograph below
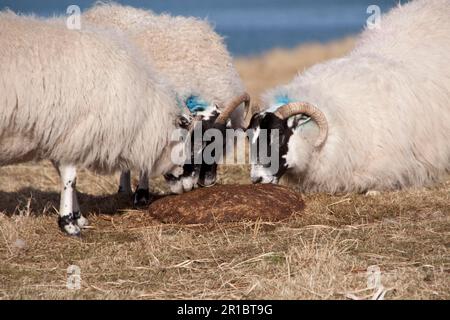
80, 98
382, 113
191, 56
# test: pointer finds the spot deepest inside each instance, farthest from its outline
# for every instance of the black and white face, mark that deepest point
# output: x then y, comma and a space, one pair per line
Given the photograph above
183, 181
269, 140
183, 177
208, 171
195, 173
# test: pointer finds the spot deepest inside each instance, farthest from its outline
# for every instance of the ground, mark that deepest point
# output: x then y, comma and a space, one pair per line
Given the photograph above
325, 252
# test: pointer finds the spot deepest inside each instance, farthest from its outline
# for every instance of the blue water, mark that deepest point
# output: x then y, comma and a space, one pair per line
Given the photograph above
249, 26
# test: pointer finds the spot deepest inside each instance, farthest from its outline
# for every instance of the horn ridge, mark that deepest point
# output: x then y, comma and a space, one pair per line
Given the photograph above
294, 108
232, 105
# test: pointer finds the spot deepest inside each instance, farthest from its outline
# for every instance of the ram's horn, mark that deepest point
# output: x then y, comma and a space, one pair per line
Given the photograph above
249, 116
231, 106
291, 109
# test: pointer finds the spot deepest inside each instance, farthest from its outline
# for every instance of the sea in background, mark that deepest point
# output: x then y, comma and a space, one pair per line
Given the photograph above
249, 26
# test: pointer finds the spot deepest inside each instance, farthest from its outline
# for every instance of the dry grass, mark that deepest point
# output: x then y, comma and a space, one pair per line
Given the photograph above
323, 253
280, 65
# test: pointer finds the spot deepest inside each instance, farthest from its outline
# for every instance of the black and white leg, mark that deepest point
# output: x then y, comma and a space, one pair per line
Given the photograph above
142, 195
125, 182
70, 218
81, 221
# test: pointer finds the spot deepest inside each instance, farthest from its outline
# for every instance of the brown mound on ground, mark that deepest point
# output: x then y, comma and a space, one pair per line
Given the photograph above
229, 203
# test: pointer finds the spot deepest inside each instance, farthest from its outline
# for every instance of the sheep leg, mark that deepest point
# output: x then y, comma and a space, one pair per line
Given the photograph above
68, 218
125, 182
142, 194
81, 221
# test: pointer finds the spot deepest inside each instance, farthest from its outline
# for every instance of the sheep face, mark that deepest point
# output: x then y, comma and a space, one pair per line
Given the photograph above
208, 170
269, 139
184, 177
183, 180
208, 141
197, 172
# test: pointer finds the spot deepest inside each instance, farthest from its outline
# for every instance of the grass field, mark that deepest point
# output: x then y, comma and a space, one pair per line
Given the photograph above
322, 253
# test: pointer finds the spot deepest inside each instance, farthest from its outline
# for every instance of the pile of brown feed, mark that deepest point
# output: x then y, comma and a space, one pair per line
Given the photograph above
229, 203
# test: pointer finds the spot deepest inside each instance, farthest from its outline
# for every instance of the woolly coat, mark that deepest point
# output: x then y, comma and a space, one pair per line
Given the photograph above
387, 104
81, 97
186, 50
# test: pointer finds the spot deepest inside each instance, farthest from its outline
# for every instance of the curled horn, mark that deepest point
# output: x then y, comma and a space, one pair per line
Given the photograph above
291, 109
231, 106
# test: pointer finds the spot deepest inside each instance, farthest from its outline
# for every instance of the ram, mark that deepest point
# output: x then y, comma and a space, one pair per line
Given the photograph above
195, 61
81, 98
380, 115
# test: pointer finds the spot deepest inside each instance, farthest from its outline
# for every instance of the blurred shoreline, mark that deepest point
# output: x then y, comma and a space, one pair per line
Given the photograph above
279, 66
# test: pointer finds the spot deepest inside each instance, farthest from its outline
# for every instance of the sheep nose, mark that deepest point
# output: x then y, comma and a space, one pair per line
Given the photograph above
256, 179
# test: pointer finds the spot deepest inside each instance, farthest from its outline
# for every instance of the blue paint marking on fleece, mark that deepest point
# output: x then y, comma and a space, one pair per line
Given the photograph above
280, 100
195, 104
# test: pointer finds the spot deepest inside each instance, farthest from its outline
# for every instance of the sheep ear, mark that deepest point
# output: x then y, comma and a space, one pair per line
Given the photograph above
184, 121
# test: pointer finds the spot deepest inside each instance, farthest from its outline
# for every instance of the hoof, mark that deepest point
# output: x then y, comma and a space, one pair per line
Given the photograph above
80, 220
142, 197
69, 226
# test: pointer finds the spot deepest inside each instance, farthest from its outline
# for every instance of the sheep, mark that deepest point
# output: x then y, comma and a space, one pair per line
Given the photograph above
82, 98
194, 60
381, 114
